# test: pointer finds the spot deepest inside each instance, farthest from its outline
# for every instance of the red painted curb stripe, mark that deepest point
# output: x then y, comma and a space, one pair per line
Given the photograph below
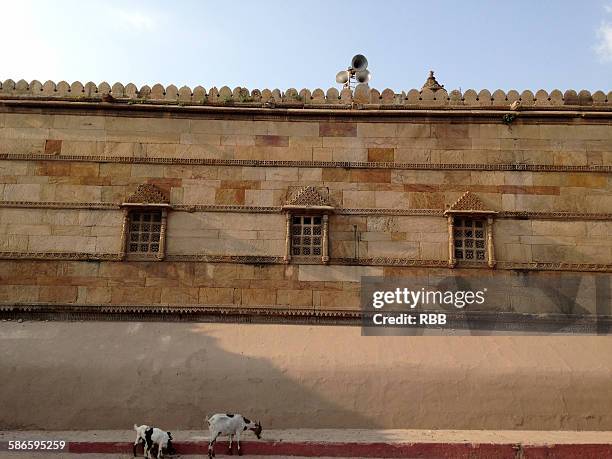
390, 450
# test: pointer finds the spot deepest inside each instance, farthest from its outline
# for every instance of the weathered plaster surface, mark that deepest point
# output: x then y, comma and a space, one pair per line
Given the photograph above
61, 375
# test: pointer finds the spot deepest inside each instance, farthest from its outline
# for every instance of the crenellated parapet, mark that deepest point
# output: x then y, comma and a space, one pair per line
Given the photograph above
360, 97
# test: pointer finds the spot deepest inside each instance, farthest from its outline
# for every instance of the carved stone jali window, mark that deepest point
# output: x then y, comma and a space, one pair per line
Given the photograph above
307, 227
144, 231
470, 232
306, 235
143, 234
470, 240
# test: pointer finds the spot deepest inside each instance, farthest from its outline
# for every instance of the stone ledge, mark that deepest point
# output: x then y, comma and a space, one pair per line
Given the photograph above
457, 322
278, 260
515, 167
363, 211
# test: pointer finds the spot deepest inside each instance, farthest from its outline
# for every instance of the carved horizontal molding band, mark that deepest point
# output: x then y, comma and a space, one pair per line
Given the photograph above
304, 163
554, 215
276, 209
241, 259
544, 266
505, 265
68, 256
227, 208
463, 320
263, 259
560, 215
179, 313
60, 205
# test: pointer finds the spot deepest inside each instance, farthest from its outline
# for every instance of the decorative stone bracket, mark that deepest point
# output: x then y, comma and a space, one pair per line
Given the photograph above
146, 196
308, 200
470, 206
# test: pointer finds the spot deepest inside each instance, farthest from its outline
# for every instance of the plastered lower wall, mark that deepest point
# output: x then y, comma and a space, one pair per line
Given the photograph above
112, 375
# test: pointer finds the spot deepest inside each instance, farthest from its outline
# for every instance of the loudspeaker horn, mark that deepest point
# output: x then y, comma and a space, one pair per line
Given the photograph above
359, 62
342, 77
363, 76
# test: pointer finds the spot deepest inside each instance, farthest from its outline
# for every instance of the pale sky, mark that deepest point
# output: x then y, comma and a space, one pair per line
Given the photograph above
518, 44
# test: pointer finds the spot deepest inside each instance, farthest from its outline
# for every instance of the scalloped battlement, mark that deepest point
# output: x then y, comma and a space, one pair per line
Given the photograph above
362, 95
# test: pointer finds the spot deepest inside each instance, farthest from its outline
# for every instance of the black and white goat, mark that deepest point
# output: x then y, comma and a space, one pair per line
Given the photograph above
231, 425
150, 437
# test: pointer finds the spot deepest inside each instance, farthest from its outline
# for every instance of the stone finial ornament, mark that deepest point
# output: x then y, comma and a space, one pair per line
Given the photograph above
431, 83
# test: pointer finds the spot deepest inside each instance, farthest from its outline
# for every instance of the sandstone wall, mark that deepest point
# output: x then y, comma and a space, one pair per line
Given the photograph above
64, 173
307, 286
415, 140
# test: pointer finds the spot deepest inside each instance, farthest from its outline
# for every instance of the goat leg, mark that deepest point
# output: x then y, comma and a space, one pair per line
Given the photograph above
211, 446
238, 443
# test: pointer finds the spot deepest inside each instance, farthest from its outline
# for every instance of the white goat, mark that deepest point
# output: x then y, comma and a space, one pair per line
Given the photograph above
150, 436
231, 425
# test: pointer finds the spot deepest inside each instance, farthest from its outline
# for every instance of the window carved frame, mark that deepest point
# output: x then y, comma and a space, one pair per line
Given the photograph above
469, 206
147, 197
307, 202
